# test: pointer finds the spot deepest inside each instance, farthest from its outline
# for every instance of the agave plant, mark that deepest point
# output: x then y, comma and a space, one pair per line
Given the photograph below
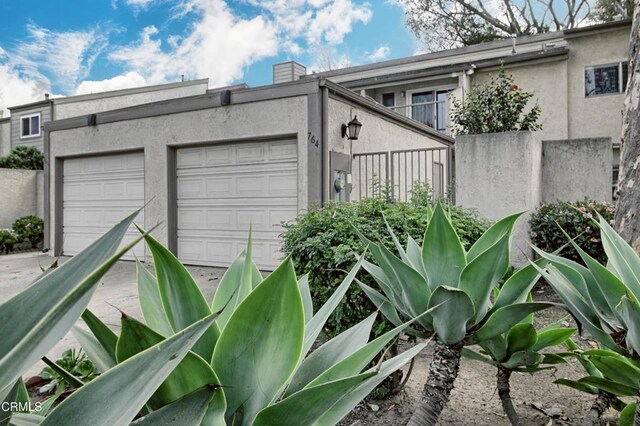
603, 299
449, 291
240, 360
519, 350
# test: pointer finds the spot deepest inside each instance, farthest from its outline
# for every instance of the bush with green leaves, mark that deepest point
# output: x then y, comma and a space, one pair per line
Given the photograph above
494, 107
8, 240
241, 359
324, 242
23, 157
549, 222
29, 229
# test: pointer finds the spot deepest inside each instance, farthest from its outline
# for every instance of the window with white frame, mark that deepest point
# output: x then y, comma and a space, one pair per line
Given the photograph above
30, 126
389, 100
606, 79
430, 107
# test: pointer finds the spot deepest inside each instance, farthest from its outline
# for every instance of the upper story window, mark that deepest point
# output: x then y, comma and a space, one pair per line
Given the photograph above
430, 108
30, 126
606, 79
389, 99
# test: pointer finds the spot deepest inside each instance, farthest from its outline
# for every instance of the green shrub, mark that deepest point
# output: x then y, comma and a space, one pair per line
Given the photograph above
497, 106
23, 157
7, 240
324, 243
577, 220
29, 229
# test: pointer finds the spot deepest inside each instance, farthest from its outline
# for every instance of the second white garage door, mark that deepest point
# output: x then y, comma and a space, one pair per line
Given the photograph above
97, 193
223, 190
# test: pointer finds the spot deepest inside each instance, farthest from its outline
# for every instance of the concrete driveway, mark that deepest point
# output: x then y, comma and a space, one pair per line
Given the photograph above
118, 288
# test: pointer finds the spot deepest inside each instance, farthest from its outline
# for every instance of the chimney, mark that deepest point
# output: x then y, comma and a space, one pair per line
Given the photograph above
288, 71
46, 96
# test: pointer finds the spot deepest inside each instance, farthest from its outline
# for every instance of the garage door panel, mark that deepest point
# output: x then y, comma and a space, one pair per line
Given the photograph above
99, 192
224, 190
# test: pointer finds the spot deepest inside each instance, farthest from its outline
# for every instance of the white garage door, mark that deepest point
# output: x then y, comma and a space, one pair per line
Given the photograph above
223, 190
97, 193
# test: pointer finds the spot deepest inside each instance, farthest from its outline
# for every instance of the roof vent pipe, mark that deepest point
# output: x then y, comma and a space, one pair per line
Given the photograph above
513, 46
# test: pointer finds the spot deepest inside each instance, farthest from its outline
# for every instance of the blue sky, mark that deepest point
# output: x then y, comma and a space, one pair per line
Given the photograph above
69, 47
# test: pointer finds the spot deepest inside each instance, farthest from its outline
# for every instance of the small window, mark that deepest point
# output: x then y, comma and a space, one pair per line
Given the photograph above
30, 126
603, 79
389, 100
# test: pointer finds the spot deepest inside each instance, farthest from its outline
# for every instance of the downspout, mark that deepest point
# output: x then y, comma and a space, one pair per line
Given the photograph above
46, 244
325, 143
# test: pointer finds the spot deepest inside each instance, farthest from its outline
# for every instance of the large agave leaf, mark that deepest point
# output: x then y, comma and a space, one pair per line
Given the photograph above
53, 302
115, 397
26, 419
483, 274
307, 301
521, 338
505, 318
628, 414
191, 374
453, 311
183, 302
562, 279
414, 255
621, 257
610, 386
618, 369
314, 326
107, 338
442, 253
492, 235
332, 352
396, 242
307, 406
522, 359
552, 337
392, 292
56, 322
518, 286
261, 345
497, 347
415, 291
382, 303
630, 313
190, 410
17, 393
355, 362
151, 301
351, 398
94, 349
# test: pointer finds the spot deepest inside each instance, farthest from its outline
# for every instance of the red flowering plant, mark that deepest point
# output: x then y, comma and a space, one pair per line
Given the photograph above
497, 106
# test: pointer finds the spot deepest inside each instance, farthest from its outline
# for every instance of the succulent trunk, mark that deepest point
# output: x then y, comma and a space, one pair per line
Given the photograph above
504, 391
599, 406
442, 373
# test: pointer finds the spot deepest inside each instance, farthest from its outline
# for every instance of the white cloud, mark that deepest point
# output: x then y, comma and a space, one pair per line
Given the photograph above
67, 57
218, 45
380, 53
17, 88
124, 81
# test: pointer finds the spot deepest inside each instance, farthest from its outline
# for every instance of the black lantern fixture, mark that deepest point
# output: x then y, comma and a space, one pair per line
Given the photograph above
352, 130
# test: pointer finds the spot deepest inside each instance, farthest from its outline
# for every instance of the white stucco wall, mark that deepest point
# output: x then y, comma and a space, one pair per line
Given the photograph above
91, 104
154, 135
5, 137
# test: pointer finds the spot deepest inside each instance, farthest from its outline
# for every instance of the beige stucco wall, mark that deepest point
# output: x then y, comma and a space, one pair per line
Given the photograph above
19, 195
378, 134
548, 81
82, 106
5, 137
595, 116
241, 121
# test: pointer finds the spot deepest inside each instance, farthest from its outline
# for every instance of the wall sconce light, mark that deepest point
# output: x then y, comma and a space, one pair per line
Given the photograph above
352, 130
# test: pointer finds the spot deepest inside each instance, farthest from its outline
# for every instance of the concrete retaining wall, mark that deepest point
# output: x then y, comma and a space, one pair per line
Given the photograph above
22, 195
504, 173
577, 168
500, 174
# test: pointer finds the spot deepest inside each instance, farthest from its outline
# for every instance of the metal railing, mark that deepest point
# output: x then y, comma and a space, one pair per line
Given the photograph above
396, 174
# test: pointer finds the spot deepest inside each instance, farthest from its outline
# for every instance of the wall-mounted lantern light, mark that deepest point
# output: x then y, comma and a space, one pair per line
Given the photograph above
352, 130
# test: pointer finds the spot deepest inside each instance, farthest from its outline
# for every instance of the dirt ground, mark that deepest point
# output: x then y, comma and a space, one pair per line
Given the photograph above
475, 401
